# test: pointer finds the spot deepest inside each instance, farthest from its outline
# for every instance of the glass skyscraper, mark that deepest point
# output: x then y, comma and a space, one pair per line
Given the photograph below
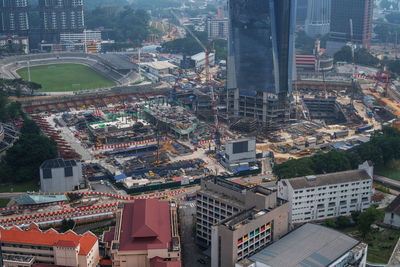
260, 63
318, 17
260, 49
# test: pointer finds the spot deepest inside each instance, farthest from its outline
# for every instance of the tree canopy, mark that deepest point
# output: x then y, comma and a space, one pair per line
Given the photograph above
125, 23
361, 56
383, 148
22, 161
8, 111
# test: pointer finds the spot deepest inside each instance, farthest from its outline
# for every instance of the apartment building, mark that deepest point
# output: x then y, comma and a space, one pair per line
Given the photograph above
62, 16
319, 197
14, 17
220, 199
32, 246
145, 235
247, 232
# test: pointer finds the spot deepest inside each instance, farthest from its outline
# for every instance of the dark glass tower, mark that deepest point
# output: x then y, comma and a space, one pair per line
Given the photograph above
360, 12
260, 50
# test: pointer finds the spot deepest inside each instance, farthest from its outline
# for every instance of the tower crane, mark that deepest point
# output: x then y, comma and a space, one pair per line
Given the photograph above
207, 51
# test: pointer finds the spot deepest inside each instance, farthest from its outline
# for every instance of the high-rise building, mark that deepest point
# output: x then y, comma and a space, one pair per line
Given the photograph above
301, 11
217, 28
14, 17
260, 59
61, 16
318, 17
361, 13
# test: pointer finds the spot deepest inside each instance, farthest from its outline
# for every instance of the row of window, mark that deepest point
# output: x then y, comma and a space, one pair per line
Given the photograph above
254, 233
330, 187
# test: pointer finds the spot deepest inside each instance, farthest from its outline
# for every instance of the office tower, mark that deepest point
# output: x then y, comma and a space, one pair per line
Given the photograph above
14, 17
318, 17
301, 11
61, 16
361, 13
260, 59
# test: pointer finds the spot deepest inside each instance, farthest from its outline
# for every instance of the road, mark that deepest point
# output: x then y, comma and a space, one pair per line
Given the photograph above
190, 252
387, 182
12, 195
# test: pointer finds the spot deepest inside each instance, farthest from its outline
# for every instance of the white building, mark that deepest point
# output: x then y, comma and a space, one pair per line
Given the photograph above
199, 60
217, 28
239, 152
87, 35
329, 195
161, 69
392, 213
59, 175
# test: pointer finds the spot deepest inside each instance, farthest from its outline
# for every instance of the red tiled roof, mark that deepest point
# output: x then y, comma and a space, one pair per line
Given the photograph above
160, 262
49, 238
67, 243
104, 262
109, 236
145, 225
146, 219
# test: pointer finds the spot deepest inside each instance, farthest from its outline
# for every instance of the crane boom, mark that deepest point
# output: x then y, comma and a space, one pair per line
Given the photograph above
190, 32
208, 78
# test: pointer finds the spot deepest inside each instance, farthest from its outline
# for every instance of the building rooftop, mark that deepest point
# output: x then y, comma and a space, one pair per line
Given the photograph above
159, 262
394, 206
309, 245
242, 218
34, 236
57, 163
39, 199
200, 56
228, 184
146, 224
329, 178
160, 65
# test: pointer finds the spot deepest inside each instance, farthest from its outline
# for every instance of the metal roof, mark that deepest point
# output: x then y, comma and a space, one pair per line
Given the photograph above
39, 199
58, 163
329, 178
309, 245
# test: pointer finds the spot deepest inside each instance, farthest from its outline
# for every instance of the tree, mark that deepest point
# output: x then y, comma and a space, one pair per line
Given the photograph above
355, 216
342, 222
14, 110
67, 224
30, 127
3, 111
22, 161
367, 218
330, 223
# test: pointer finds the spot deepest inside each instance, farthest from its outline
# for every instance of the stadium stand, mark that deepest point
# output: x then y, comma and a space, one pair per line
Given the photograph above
114, 67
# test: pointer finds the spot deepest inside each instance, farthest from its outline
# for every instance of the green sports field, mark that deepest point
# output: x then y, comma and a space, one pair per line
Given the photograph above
65, 77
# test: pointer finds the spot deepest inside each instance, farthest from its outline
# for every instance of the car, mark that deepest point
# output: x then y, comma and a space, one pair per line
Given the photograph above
201, 261
101, 182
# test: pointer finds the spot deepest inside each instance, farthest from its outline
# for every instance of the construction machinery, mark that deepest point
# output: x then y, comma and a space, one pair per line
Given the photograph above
208, 82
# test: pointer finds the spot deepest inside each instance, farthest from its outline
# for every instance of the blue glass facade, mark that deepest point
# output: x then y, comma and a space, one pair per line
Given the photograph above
261, 45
